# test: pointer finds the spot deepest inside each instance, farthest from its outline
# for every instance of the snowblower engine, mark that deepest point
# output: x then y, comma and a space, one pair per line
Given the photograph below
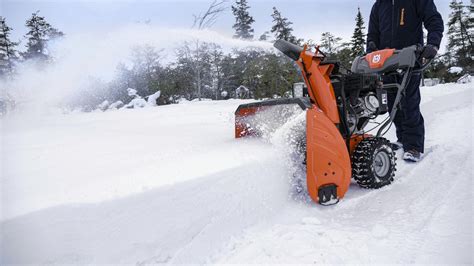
362, 96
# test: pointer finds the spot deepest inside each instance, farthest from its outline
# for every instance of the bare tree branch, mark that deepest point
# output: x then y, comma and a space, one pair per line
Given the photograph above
207, 19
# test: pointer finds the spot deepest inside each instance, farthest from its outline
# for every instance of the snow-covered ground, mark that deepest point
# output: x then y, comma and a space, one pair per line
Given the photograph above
170, 184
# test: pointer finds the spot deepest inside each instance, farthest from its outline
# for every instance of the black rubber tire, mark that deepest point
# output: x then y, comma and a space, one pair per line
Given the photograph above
364, 159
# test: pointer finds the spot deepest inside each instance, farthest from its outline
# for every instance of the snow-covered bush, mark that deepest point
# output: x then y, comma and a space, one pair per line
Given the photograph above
116, 105
181, 100
455, 70
103, 106
465, 79
151, 99
132, 92
139, 102
136, 103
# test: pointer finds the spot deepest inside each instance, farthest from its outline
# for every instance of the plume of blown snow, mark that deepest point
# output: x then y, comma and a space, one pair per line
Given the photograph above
80, 57
284, 126
290, 140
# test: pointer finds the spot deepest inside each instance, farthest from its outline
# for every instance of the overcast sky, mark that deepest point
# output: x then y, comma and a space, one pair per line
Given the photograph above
310, 18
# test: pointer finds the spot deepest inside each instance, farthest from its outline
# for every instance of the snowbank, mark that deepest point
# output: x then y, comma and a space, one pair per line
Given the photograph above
465, 79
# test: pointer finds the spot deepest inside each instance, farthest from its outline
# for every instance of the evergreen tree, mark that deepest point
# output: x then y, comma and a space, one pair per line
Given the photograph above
243, 20
40, 32
329, 44
282, 27
469, 22
264, 73
358, 38
345, 55
264, 36
7, 48
460, 43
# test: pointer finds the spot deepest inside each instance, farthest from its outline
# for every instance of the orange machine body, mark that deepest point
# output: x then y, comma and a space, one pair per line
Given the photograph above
241, 130
328, 160
319, 84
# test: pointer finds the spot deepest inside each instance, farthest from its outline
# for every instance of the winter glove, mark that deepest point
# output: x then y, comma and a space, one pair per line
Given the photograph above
429, 51
371, 47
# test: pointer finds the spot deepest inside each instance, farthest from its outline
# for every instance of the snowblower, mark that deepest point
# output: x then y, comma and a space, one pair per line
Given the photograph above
339, 106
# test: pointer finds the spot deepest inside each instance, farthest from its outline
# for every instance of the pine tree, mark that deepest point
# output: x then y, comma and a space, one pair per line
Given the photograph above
7, 48
460, 42
40, 32
329, 43
358, 38
243, 20
264, 36
282, 27
469, 22
345, 55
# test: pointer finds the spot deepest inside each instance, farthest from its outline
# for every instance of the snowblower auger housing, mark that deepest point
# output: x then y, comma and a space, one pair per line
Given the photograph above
338, 108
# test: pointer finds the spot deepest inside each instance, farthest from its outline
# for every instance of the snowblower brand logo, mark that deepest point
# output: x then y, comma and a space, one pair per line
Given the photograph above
376, 58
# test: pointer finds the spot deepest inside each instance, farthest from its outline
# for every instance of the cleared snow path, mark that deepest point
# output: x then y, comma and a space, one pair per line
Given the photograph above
170, 185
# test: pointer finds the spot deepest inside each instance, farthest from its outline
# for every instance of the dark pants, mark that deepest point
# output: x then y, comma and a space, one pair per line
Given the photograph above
409, 122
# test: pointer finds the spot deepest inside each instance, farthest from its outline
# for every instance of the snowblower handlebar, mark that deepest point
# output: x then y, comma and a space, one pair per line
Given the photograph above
376, 62
389, 61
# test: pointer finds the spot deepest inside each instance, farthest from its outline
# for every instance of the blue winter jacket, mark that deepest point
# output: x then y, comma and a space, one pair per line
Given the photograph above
399, 23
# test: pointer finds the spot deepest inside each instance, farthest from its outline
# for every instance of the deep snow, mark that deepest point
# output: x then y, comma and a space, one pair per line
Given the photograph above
169, 184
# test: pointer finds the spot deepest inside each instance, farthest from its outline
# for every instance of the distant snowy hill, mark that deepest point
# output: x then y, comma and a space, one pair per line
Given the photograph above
170, 184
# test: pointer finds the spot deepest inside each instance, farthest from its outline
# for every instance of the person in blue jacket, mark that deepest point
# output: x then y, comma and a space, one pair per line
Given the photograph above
398, 24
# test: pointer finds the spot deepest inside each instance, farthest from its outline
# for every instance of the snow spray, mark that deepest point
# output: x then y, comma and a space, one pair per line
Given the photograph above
79, 58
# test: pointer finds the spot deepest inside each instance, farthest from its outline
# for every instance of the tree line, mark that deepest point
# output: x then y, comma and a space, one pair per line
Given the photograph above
40, 32
460, 47
204, 70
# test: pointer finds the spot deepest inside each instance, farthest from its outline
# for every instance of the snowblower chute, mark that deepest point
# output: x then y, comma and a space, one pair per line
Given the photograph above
339, 106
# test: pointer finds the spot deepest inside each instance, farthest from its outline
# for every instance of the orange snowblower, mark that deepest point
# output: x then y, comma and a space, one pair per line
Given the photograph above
339, 105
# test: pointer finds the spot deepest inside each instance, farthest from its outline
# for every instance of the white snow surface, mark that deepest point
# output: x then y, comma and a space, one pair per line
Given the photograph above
455, 70
170, 184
